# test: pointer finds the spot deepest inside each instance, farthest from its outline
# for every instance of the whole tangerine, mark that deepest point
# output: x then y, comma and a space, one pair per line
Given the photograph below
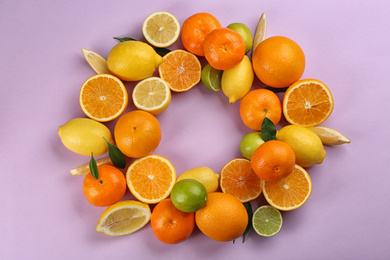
137, 133
171, 225
195, 29
223, 218
278, 61
224, 48
258, 104
108, 189
273, 160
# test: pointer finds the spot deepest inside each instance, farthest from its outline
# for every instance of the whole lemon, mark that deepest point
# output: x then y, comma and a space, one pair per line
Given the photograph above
204, 175
85, 136
306, 145
237, 82
133, 60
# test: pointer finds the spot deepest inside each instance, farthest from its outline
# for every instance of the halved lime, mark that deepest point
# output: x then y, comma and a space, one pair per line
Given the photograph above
267, 221
211, 78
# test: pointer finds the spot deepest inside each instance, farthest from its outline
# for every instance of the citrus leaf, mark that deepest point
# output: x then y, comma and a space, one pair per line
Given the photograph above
161, 51
268, 130
116, 156
93, 168
124, 39
248, 207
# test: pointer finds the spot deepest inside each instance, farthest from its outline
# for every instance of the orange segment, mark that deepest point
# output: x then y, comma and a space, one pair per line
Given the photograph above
239, 180
181, 70
151, 178
103, 97
290, 192
307, 102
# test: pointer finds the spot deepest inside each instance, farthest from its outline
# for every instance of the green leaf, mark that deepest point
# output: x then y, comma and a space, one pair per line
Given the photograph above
93, 168
249, 210
124, 39
161, 51
268, 130
116, 156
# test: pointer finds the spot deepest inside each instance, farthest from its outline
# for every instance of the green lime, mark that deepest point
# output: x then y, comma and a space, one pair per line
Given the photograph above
267, 221
249, 143
188, 195
211, 78
245, 33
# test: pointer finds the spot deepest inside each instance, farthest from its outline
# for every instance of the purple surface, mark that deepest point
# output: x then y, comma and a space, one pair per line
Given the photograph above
44, 214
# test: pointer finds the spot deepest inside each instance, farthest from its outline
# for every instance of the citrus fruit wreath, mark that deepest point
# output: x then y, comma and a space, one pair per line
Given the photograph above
273, 164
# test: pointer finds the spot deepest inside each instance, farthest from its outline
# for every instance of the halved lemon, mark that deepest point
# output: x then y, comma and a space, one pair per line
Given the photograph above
152, 95
329, 136
103, 97
123, 218
97, 62
161, 29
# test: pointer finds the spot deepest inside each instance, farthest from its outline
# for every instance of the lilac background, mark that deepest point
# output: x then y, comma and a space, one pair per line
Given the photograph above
44, 214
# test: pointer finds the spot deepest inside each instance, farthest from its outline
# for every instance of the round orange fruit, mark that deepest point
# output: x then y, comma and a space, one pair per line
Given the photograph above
137, 133
223, 218
171, 225
258, 104
278, 61
273, 160
224, 48
109, 188
195, 29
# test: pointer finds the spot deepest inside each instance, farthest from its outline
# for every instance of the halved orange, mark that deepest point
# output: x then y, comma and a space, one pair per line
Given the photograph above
239, 180
307, 102
181, 70
103, 97
151, 178
290, 192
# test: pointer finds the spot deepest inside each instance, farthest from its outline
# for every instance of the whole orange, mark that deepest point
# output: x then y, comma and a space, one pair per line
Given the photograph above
278, 61
273, 160
258, 104
137, 133
195, 29
224, 48
109, 188
171, 225
223, 218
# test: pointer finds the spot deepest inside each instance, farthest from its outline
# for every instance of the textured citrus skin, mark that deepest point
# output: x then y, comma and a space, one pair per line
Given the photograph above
108, 189
84, 136
223, 218
195, 29
273, 160
137, 133
278, 61
258, 104
224, 48
171, 225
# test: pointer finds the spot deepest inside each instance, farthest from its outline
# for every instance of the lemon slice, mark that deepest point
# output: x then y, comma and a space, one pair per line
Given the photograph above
152, 95
161, 29
97, 62
260, 32
329, 136
84, 169
123, 218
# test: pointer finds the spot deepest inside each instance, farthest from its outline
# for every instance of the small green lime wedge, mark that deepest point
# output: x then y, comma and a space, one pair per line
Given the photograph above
211, 78
267, 221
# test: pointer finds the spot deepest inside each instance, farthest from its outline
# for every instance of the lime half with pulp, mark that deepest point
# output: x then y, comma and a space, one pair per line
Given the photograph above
211, 78
267, 221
